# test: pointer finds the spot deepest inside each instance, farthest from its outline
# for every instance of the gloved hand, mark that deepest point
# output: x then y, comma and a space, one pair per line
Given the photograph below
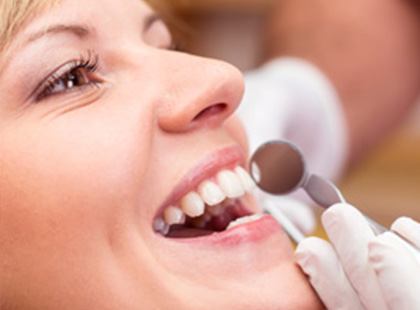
360, 270
290, 99
300, 214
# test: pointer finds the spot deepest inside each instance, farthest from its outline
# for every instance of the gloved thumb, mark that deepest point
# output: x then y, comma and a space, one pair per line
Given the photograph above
320, 263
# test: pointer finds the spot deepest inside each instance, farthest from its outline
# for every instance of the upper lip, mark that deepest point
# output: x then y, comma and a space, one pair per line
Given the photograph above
223, 158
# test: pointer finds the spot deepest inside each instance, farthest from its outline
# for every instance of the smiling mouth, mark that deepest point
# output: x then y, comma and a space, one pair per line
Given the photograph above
213, 207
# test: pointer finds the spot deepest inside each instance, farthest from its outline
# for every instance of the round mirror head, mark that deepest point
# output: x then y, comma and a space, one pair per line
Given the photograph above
278, 167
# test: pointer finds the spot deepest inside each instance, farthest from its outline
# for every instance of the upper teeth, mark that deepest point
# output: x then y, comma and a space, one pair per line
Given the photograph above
229, 184
192, 204
210, 193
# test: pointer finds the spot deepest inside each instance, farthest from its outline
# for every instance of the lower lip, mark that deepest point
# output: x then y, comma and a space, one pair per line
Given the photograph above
252, 232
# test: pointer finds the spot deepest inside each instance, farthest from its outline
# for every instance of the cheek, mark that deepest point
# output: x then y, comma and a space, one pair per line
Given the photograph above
66, 192
77, 175
237, 131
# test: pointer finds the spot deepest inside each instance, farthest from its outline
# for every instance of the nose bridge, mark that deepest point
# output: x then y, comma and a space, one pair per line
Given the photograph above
198, 91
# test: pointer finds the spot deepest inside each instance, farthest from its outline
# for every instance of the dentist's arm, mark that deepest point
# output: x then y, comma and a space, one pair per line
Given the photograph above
359, 270
369, 50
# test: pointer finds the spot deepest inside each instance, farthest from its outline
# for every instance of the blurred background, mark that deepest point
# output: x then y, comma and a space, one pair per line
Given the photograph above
386, 183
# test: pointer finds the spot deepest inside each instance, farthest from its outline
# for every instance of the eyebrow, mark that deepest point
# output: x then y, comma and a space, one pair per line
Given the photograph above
82, 31
79, 31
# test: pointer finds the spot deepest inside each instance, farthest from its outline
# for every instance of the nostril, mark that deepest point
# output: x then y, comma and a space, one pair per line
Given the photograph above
211, 111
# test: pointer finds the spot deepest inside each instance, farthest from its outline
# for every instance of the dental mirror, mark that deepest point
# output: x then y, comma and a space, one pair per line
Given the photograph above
278, 168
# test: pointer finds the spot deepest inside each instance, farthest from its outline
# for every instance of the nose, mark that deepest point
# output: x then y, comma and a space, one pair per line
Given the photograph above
198, 92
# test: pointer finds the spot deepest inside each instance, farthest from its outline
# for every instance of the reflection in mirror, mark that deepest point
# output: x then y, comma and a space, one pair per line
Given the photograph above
278, 167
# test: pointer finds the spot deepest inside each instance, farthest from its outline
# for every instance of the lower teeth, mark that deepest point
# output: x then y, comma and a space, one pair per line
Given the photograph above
214, 219
245, 219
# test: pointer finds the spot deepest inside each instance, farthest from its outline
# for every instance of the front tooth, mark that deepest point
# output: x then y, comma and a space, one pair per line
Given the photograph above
246, 180
230, 184
245, 219
192, 204
211, 193
173, 215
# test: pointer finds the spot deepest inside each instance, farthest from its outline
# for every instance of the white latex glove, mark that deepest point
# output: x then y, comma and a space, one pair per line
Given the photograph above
360, 270
296, 217
290, 99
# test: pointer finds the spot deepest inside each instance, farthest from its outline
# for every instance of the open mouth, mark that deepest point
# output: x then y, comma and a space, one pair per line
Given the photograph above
213, 207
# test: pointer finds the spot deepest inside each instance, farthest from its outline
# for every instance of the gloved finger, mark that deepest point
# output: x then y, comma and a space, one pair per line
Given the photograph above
298, 212
408, 229
301, 214
320, 263
350, 234
397, 270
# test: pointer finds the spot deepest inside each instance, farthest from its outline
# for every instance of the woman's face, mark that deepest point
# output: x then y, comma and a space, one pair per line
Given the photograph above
105, 132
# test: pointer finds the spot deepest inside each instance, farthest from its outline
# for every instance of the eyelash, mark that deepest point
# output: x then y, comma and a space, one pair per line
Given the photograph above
88, 63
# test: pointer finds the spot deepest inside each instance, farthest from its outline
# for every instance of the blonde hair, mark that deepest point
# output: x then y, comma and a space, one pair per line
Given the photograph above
13, 13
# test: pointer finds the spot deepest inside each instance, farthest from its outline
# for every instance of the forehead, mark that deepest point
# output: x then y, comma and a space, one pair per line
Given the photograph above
91, 9
16, 15
41, 14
